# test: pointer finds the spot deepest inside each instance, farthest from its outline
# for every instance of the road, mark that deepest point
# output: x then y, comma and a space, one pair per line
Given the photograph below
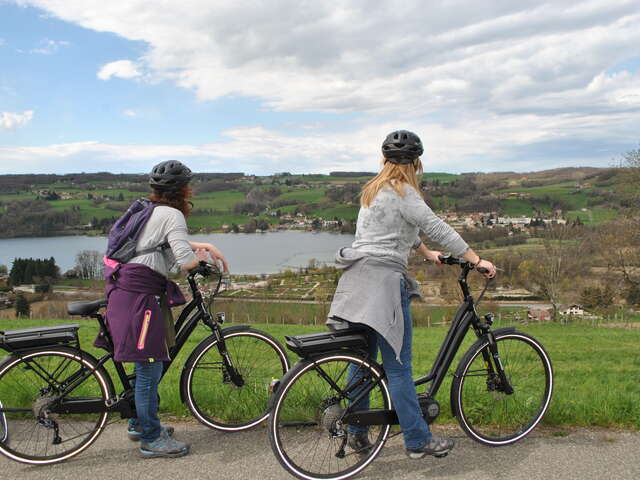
579, 454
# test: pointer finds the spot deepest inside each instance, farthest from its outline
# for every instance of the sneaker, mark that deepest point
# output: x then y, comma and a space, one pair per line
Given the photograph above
359, 442
436, 446
164, 446
135, 433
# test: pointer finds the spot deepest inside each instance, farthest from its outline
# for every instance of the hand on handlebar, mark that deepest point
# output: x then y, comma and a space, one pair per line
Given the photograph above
486, 268
432, 256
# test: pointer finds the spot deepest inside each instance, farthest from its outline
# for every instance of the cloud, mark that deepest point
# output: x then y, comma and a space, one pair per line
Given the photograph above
391, 56
130, 112
473, 146
120, 68
490, 85
11, 121
49, 47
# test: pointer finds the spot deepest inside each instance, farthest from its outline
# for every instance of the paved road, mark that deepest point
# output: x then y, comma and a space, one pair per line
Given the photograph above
581, 454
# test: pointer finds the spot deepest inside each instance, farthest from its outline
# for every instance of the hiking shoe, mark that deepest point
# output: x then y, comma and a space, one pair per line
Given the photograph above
164, 446
135, 433
436, 446
359, 442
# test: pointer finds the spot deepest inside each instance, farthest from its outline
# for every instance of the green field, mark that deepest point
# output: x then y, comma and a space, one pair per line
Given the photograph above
597, 370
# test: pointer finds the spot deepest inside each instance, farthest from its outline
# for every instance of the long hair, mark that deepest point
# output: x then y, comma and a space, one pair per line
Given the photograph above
395, 175
178, 199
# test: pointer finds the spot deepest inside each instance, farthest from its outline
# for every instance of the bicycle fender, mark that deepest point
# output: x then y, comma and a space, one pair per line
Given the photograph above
196, 351
235, 328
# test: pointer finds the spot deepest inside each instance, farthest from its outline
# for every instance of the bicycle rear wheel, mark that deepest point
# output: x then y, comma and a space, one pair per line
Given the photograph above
488, 414
31, 387
211, 395
305, 428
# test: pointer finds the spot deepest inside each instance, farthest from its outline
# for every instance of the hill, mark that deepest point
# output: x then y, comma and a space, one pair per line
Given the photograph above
40, 205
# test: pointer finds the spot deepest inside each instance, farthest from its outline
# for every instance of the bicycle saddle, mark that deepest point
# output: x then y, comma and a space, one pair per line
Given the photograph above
86, 308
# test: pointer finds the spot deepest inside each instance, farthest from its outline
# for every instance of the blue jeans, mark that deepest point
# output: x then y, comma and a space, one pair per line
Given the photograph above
148, 375
415, 430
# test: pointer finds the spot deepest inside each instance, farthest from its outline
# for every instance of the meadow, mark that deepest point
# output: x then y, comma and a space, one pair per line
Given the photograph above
597, 370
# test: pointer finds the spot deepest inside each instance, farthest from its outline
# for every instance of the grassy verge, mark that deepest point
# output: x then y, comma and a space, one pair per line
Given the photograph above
597, 370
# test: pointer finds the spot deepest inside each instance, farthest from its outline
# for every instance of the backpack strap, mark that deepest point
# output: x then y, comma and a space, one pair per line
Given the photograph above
158, 248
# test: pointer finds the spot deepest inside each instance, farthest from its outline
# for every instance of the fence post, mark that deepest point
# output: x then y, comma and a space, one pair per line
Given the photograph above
428, 321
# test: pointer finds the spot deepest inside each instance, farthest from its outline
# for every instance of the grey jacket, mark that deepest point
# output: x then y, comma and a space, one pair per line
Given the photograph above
369, 293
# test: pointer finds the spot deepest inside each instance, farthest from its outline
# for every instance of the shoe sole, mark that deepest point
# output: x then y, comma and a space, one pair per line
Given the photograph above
417, 456
147, 454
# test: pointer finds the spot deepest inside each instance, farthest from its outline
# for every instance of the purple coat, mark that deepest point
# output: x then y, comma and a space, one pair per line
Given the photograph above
134, 315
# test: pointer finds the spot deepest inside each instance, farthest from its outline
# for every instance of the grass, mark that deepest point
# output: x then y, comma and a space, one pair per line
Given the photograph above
346, 212
597, 370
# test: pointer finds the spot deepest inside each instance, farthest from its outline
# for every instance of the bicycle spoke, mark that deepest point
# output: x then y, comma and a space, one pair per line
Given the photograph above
486, 411
317, 398
215, 399
29, 389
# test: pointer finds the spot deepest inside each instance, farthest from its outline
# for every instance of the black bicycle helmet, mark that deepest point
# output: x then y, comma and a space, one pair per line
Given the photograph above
169, 175
402, 146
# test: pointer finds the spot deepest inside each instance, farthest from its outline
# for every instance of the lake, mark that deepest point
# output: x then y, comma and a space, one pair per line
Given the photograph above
246, 253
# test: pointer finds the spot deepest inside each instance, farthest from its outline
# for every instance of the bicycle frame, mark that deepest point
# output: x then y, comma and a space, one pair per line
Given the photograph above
466, 317
194, 312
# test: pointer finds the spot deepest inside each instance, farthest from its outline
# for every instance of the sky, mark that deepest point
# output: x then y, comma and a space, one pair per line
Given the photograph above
314, 86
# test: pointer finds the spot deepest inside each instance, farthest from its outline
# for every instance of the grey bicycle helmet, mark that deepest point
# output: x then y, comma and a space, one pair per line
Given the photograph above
169, 175
402, 146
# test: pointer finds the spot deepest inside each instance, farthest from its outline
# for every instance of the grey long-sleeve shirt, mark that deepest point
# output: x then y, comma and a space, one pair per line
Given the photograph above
166, 224
390, 226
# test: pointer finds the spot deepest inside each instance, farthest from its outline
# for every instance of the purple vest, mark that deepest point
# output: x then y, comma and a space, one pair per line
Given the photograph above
134, 315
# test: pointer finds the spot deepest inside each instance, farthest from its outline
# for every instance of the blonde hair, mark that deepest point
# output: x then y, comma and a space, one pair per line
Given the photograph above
395, 175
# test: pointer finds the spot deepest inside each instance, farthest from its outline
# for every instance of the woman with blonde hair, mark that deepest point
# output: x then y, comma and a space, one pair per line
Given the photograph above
375, 289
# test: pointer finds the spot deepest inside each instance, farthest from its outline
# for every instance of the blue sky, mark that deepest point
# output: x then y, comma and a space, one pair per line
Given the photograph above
313, 88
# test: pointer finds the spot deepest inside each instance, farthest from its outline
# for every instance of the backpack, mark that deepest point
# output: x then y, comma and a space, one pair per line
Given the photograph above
123, 236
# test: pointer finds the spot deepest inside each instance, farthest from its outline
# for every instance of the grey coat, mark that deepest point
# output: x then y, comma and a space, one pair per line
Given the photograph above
369, 293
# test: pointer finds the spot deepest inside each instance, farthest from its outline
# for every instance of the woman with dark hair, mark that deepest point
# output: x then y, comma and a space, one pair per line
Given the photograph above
375, 289
140, 297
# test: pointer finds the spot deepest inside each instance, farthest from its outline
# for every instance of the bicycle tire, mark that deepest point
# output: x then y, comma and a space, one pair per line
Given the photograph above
28, 382
492, 417
217, 402
302, 433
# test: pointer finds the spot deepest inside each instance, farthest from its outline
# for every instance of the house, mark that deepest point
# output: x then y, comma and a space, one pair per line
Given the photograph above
573, 309
541, 315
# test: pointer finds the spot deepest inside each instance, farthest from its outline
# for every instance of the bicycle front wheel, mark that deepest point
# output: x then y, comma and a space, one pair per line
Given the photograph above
306, 430
484, 410
34, 428
209, 392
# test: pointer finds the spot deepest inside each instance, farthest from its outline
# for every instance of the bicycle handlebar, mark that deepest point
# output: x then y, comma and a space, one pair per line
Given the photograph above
447, 259
205, 269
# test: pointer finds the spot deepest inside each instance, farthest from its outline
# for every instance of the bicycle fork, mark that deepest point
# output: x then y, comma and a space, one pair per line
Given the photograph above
491, 360
229, 371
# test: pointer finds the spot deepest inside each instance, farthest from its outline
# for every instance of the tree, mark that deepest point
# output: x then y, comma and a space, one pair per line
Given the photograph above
262, 225
3, 270
619, 247
89, 264
250, 226
555, 272
22, 306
